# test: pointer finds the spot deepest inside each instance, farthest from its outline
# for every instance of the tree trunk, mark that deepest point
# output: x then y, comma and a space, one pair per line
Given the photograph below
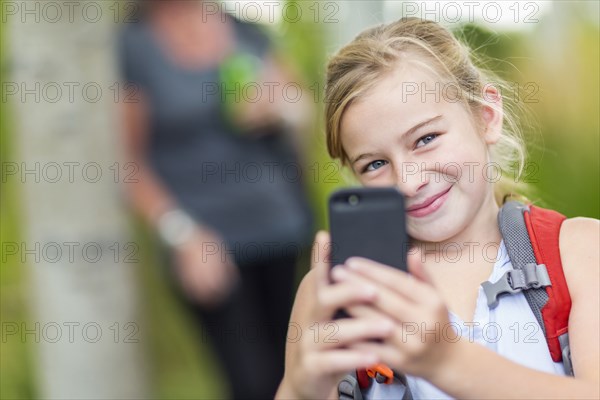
76, 241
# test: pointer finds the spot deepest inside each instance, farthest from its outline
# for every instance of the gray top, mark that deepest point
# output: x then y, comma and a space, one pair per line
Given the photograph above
250, 190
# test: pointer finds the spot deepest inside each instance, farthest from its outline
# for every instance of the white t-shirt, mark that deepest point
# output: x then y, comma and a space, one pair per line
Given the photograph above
510, 330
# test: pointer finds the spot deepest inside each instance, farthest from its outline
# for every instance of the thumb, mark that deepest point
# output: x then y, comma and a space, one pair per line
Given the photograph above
416, 267
321, 250
320, 257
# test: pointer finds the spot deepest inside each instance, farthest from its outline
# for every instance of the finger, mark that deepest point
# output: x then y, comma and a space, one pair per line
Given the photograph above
365, 311
340, 333
321, 249
342, 361
409, 340
390, 302
334, 297
387, 353
392, 278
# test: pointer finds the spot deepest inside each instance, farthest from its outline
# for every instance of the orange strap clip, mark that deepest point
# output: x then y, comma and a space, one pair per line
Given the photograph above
381, 373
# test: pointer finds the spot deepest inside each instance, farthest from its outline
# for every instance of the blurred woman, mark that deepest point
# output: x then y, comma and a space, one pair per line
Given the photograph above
218, 176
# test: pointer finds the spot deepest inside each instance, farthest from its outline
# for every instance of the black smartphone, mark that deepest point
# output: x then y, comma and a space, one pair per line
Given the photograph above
368, 222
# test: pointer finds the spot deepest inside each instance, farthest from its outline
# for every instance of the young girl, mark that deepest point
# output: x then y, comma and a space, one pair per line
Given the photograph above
407, 107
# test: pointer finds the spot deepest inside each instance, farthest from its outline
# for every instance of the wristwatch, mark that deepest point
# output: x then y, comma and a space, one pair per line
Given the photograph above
175, 227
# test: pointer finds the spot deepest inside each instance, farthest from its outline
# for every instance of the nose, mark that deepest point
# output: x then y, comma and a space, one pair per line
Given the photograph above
409, 178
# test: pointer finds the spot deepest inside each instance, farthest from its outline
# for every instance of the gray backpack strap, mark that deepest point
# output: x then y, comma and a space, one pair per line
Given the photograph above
348, 388
528, 276
404, 381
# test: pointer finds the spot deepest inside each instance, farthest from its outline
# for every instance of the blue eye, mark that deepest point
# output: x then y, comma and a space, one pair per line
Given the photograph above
426, 139
374, 165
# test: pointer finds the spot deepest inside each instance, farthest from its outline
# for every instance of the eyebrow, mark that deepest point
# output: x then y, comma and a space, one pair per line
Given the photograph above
408, 132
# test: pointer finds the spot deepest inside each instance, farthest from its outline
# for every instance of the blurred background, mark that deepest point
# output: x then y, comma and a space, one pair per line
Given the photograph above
85, 309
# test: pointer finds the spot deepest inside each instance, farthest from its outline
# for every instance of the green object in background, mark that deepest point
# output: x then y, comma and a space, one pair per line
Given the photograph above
235, 74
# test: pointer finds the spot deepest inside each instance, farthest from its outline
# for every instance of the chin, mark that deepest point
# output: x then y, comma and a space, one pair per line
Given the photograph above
438, 230
429, 235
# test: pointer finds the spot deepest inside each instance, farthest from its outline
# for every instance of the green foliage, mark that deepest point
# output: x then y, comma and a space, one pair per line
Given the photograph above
16, 369
560, 87
303, 43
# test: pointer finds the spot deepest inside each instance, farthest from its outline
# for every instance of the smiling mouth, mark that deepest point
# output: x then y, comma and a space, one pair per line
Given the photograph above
426, 207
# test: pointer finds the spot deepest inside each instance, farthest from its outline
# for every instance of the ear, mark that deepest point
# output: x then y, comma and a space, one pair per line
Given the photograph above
492, 114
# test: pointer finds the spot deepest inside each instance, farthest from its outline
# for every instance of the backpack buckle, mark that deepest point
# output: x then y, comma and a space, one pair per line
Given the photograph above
533, 276
381, 373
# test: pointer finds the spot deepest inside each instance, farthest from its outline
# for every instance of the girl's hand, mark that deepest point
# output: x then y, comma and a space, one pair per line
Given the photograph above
324, 351
423, 338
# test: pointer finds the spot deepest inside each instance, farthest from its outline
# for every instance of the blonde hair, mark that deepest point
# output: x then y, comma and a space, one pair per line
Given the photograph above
358, 66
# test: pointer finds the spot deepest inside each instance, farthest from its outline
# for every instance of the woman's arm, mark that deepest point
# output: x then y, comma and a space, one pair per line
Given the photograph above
464, 369
147, 195
205, 278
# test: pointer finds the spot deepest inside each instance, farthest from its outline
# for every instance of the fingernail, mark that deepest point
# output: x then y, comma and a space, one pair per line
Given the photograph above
338, 272
352, 264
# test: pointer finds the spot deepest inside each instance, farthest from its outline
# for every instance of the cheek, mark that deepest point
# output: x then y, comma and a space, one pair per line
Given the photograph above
455, 217
382, 177
467, 163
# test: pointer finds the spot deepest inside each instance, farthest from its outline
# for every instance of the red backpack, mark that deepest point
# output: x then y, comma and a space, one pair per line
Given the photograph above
531, 236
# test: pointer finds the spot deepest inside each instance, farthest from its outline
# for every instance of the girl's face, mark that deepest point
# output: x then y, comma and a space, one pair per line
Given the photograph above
404, 133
